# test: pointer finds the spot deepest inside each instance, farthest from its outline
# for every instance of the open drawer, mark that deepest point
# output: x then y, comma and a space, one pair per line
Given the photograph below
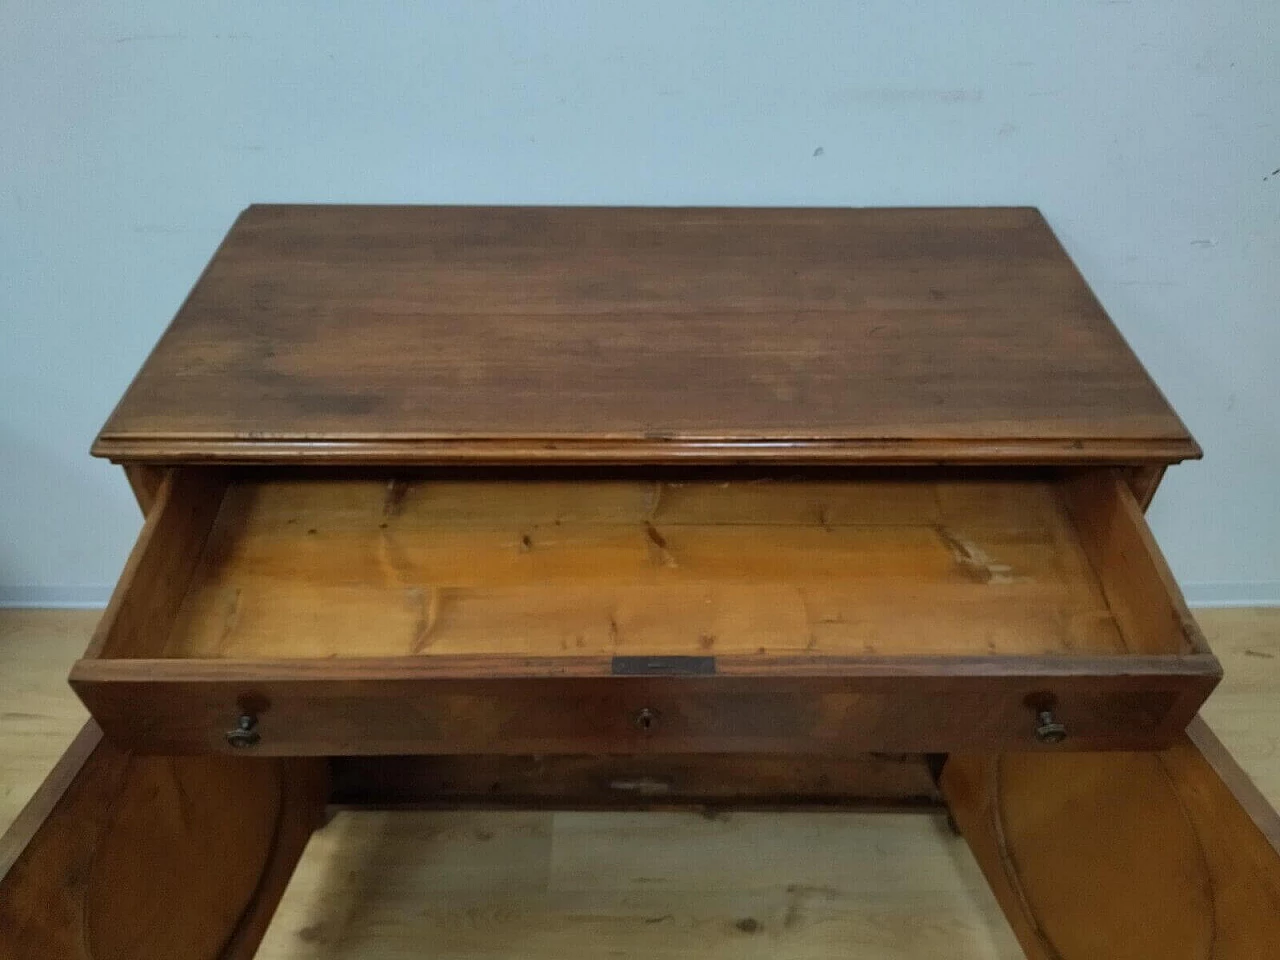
342, 612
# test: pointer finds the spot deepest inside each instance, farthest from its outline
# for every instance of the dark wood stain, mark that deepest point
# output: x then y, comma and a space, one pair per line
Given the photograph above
427, 334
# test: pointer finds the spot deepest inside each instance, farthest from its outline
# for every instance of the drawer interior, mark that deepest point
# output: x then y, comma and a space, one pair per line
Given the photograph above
249, 564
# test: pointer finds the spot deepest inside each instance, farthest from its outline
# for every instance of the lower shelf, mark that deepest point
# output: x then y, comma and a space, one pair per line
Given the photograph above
1118, 855
638, 782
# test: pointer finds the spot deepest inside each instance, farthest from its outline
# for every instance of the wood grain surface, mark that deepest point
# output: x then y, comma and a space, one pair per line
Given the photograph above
890, 564
1128, 856
332, 568
428, 334
916, 710
119, 857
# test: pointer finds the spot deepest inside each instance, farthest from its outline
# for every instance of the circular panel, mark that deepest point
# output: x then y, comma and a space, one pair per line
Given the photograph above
180, 861
1104, 853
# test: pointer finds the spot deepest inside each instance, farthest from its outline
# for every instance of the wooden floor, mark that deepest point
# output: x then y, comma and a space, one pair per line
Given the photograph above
543, 885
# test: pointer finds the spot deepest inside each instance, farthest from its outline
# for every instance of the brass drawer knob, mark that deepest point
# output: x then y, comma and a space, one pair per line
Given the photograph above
646, 720
246, 733
1049, 729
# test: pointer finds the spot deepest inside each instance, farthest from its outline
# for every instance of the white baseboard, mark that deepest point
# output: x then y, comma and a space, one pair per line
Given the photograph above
56, 598
1256, 593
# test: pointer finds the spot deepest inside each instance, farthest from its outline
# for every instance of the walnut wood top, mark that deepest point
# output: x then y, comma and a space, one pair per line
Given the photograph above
432, 334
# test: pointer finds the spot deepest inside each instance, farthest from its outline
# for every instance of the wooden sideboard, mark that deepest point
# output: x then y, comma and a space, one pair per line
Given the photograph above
625, 508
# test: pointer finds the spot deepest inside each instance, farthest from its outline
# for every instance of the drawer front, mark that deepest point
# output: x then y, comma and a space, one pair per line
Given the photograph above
642, 715
334, 614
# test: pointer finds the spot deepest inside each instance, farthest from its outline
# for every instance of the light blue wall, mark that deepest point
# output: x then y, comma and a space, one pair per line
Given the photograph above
132, 133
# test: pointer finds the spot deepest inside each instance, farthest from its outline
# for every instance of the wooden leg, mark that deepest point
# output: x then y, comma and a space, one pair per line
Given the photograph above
153, 858
1143, 481
145, 482
1128, 856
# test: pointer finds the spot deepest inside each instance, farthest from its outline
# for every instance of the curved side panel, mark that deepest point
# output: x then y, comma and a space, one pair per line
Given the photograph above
1127, 856
153, 858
